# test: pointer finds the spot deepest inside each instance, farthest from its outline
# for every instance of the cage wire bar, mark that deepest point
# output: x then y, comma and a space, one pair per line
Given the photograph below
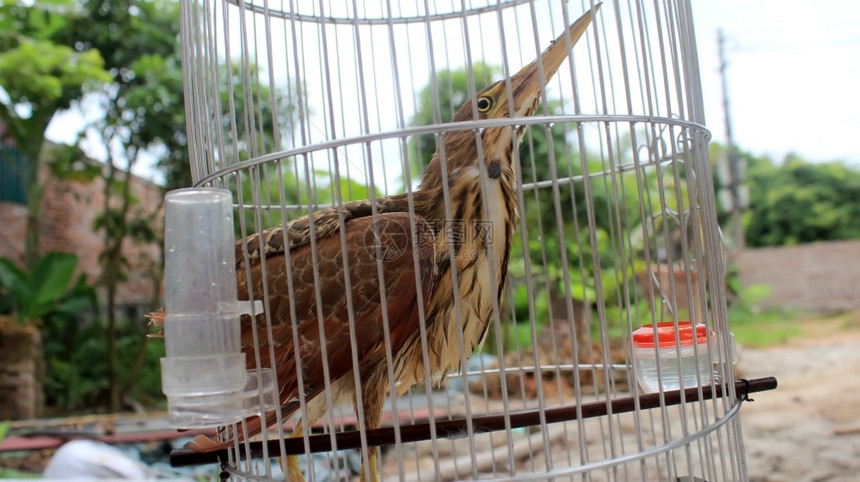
299, 106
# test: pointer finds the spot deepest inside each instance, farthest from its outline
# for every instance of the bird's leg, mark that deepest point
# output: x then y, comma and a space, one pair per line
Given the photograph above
374, 390
373, 464
290, 463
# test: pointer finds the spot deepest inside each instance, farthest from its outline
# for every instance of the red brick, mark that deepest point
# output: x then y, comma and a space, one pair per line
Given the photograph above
69, 210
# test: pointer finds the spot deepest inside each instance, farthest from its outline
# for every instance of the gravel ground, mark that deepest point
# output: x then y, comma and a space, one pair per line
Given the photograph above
808, 429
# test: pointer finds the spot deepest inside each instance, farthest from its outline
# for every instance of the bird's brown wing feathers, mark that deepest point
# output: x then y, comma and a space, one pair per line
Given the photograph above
396, 256
320, 224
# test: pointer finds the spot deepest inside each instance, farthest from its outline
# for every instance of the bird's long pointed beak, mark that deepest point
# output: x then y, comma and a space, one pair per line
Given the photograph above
529, 80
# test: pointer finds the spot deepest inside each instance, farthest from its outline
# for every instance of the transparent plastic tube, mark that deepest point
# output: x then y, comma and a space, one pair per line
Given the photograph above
203, 372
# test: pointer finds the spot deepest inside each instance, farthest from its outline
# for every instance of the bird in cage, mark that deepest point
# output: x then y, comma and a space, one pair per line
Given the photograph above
416, 258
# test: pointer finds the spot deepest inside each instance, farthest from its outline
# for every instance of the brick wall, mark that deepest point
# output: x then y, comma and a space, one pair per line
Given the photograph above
70, 209
821, 276
13, 225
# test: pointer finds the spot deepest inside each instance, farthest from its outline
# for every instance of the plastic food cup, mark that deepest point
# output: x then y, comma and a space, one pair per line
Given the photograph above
671, 356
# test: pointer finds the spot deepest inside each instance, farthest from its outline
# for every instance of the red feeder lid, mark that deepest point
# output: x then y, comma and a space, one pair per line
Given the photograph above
643, 336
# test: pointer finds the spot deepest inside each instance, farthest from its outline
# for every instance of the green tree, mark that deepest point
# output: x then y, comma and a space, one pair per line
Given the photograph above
133, 46
45, 290
141, 101
270, 114
800, 202
39, 76
144, 113
42, 297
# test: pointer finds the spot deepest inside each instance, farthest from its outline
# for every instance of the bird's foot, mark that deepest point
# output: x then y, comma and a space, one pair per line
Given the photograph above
373, 464
292, 471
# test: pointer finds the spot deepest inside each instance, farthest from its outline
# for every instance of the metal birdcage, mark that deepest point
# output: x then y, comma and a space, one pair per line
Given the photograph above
302, 108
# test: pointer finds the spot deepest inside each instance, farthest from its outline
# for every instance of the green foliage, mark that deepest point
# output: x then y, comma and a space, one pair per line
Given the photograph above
800, 202
40, 75
142, 97
257, 108
46, 295
76, 354
270, 114
6, 473
45, 289
43, 71
16, 475
69, 162
347, 190
37, 72
745, 302
520, 336
142, 104
158, 95
274, 188
125, 53
42, 23
767, 332
620, 317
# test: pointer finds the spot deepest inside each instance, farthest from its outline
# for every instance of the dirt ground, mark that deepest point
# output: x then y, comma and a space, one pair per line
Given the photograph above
808, 429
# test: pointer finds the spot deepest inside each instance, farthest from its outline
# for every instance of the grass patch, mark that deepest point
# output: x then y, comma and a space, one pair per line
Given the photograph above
763, 328
769, 332
759, 328
6, 473
850, 321
775, 328
14, 474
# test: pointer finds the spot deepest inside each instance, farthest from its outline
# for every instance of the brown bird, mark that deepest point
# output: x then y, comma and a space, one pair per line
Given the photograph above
473, 239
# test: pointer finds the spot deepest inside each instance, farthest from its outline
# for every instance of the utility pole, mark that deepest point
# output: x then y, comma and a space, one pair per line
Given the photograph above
734, 168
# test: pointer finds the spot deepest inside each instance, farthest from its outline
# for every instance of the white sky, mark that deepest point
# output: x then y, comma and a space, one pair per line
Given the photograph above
793, 75
793, 78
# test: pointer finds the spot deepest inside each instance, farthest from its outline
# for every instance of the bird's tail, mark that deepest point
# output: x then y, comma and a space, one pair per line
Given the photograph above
156, 319
252, 427
249, 428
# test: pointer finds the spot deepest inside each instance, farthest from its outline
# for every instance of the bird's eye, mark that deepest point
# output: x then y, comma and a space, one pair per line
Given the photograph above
484, 104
